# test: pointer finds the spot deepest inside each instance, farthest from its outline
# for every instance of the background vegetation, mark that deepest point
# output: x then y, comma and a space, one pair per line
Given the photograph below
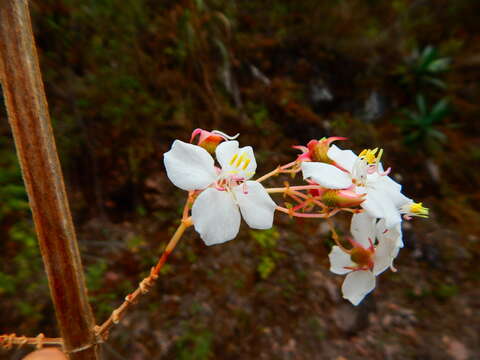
125, 78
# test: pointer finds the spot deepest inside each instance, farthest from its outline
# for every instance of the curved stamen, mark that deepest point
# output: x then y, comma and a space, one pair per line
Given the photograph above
225, 136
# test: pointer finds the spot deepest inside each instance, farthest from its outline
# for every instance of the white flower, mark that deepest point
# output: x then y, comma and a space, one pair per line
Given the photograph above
364, 174
366, 259
216, 211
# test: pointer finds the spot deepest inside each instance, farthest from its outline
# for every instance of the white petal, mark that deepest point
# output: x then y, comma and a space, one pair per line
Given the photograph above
344, 158
369, 204
225, 151
215, 216
236, 161
385, 252
256, 205
394, 233
379, 205
357, 284
392, 189
189, 167
326, 175
363, 228
339, 260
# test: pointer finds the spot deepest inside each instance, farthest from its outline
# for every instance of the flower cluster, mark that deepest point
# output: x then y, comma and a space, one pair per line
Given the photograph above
223, 192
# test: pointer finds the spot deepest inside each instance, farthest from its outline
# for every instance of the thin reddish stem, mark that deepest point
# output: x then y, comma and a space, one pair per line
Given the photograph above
336, 238
291, 212
293, 188
144, 286
278, 170
188, 203
7, 341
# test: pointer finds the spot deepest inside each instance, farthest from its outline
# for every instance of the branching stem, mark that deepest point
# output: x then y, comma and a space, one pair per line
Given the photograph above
7, 341
279, 170
145, 285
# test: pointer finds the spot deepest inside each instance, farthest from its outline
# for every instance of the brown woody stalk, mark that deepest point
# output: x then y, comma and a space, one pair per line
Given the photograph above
30, 122
146, 284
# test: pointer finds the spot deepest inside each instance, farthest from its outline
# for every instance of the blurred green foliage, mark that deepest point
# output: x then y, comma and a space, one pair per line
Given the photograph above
424, 67
22, 275
195, 344
125, 78
420, 127
267, 241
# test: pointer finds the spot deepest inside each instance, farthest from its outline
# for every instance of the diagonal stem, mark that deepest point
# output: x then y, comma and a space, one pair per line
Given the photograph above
145, 285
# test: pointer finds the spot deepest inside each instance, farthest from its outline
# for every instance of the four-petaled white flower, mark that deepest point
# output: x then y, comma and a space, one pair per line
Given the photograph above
364, 174
366, 259
227, 192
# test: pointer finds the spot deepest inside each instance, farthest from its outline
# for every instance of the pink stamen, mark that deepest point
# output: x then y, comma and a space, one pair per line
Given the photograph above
356, 268
372, 248
301, 148
386, 172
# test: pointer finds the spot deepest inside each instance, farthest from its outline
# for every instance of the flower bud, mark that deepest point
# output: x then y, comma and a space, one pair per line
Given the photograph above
317, 150
207, 140
342, 198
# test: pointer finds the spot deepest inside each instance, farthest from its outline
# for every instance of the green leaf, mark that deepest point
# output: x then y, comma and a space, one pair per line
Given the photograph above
422, 105
439, 65
434, 81
440, 110
438, 135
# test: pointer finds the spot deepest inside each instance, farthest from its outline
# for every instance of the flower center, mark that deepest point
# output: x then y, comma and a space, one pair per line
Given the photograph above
366, 164
241, 161
238, 166
235, 172
362, 257
370, 156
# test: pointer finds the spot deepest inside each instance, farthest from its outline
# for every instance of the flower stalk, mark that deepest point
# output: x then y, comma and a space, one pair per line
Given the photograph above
7, 341
144, 286
281, 169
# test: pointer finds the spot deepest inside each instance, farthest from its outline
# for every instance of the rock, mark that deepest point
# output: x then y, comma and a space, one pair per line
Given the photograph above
319, 92
456, 349
352, 319
374, 107
434, 170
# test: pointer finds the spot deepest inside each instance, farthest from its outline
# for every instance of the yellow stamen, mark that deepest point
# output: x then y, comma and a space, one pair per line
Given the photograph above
234, 157
380, 153
240, 160
418, 209
247, 162
370, 155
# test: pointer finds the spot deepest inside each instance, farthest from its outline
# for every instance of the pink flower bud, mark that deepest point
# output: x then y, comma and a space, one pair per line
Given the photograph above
317, 150
207, 140
342, 198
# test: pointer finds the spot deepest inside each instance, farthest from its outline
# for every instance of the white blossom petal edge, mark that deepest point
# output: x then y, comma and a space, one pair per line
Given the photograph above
365, 175
216, 211
374, 249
